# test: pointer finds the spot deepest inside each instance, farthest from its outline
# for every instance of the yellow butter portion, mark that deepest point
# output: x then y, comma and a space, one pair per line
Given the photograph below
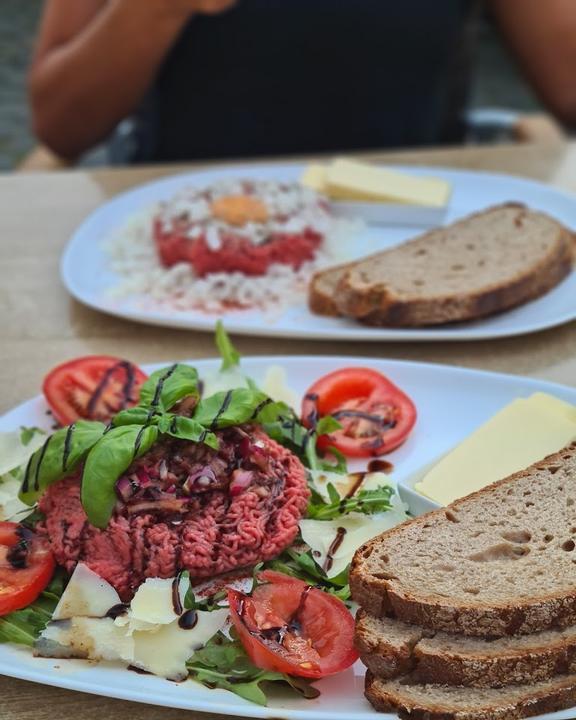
314, 177
352, 180
520, 434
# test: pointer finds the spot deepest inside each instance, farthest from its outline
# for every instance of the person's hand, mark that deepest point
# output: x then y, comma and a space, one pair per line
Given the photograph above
194, 7
211, 7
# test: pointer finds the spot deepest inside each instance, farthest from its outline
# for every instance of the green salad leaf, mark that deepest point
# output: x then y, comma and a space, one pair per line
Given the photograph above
281, 423
223, 663
59, 456
230, 407
106, 461
230, 356
166, 387
24, 626
364, 501
300, 564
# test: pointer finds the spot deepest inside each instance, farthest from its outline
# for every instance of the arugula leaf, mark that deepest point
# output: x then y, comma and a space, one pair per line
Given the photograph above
27, 433
301, 565
206, 604
281, 423
326, 425
58, 457
164, 388
108, 459
364, 501
231, 407
223, 663
24, 626
230, 356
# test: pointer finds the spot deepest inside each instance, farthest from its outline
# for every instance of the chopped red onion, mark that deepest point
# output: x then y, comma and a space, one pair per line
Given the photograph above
241, 479
125, 488
203, 478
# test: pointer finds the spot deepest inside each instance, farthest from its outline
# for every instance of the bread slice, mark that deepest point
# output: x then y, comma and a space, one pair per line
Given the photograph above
483, 264
390, 648
322, 290
442, 702
501, 561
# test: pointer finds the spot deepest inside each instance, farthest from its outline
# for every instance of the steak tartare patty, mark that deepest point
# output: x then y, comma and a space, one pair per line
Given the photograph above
241, 226
185, 506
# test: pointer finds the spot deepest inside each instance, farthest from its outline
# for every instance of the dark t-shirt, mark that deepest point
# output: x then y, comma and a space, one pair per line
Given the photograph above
297, 76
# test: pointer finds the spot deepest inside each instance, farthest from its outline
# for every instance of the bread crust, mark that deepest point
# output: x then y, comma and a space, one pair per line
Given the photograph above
322, 289
376, 305
538, 701
381, 596
542, 659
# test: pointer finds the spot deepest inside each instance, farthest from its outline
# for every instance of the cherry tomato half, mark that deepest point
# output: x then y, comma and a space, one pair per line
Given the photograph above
26, 566
291, 627
376, 416
94, 387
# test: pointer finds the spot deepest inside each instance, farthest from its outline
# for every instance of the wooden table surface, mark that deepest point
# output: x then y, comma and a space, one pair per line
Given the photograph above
41, 326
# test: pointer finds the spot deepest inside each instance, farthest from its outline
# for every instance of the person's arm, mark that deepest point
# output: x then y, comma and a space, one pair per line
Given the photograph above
94, 61
542, 35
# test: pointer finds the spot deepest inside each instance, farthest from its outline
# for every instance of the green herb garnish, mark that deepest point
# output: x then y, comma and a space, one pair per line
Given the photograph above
364, 501
223, 663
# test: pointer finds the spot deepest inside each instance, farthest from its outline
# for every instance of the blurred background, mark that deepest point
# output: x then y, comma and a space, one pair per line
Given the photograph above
496, 83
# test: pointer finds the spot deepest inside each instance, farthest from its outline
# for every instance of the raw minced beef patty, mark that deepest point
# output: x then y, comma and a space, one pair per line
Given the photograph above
185, 506
237, 226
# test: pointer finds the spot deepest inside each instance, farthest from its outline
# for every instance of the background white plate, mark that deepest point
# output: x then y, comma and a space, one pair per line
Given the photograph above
451, 402
86, 275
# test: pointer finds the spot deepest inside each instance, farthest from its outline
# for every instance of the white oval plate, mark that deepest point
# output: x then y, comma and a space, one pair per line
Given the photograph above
85, 272
451, 403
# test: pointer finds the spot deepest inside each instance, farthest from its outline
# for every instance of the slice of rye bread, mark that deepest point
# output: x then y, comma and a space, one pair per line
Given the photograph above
443, 702
501, 561
322, 289
390, 648
484, 264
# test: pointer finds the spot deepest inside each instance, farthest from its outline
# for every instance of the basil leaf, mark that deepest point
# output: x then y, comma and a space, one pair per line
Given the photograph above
132, 416
58, 457
186, 428
230, 356
107, 460
232, 407
164, 388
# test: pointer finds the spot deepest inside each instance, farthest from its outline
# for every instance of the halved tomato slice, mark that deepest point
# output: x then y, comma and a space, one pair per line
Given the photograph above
375, 415
94, 387
26, 566
291, 627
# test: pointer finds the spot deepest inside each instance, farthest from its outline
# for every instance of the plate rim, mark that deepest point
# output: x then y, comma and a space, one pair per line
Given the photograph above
69, 682
356, 334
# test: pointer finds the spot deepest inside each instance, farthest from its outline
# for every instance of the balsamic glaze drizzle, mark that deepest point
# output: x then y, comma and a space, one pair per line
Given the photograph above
260, 407
188, 620
376, 419
126, 388
17, 554
225, 404
176, 602
338, 540
380, 466
117, 610
39, 463
67, 446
